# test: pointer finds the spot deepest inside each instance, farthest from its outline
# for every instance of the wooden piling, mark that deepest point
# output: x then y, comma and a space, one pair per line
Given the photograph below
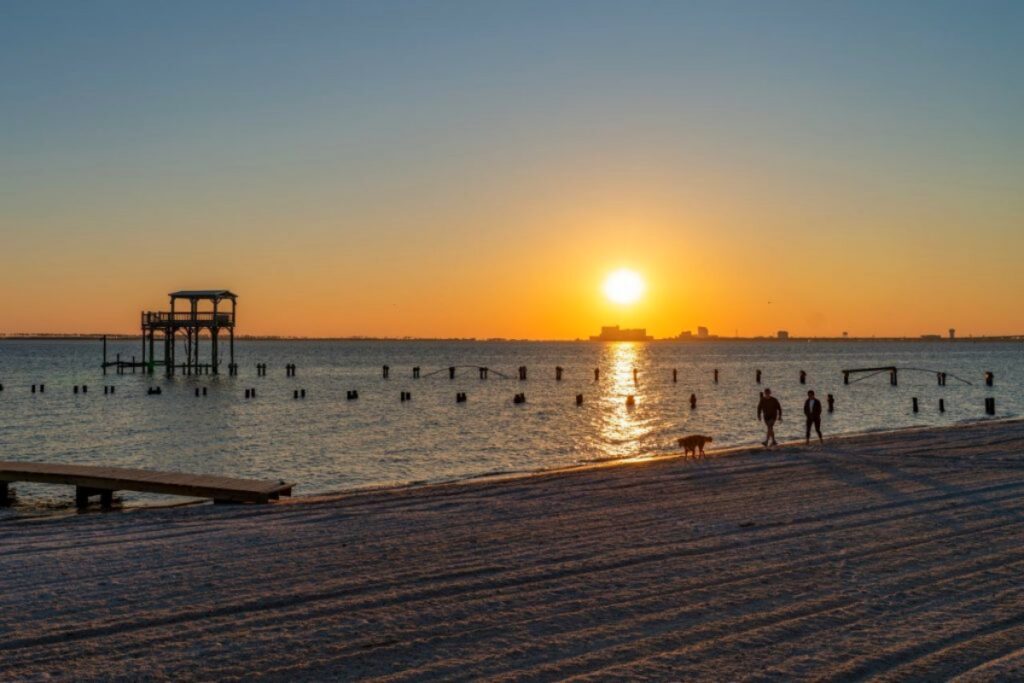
579, 399
831, 403
757, 376
716, 375
675, 375
942, 405
914, 404
558, 373
693, 401
803, 377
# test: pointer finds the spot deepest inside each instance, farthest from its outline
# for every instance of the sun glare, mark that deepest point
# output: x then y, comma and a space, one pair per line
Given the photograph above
624, 287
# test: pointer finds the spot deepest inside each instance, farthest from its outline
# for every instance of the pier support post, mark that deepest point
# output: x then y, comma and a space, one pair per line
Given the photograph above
716, 375
803, 377
451, 372
558, 373
386, 371
914, 403
757, 376
990, 406
942, 405
5, 494
831, 403
597, 374
675, 375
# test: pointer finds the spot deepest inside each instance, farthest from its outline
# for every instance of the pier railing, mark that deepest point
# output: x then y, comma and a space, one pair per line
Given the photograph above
187, 318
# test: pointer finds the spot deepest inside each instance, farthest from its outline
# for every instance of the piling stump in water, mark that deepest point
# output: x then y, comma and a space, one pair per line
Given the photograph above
693, 401
942, 405
558, 373
597, 374
416, 372
675, 375
519, 399
990, 406
914, 404
757, 376
579, 399
716, 375
803, 377
831, 403
386, 371
630, 401
522, 372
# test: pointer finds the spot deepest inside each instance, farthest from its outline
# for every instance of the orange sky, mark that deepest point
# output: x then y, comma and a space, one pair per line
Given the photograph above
477, 169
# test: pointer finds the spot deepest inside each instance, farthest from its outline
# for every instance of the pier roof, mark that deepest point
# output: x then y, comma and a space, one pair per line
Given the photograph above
203, 294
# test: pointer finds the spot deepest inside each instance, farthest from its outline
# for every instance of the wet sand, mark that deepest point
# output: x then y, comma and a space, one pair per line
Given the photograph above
883, 556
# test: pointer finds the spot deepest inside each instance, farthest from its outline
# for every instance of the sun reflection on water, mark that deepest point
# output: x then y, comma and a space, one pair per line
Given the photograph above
623, 427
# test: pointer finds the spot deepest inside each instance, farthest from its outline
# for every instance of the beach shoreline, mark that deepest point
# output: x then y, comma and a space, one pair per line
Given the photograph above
889, 555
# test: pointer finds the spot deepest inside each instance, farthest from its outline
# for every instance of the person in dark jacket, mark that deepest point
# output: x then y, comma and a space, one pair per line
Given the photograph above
769, 409
812, 410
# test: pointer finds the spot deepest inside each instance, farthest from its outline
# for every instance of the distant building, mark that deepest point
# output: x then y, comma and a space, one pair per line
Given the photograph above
931, 337
702, 332
952, 333
685, 334
783, 334
613, 333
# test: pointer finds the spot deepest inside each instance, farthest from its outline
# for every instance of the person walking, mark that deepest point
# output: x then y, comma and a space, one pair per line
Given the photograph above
770, 410
812, 410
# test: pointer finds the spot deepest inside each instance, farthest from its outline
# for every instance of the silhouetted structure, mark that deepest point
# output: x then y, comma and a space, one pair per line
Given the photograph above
614, 333
167, 326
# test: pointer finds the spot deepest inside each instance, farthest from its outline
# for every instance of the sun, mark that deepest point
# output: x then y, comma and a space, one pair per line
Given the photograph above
624, 286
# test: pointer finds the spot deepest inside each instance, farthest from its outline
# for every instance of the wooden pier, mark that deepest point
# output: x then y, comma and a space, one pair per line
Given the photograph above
103, 481
167, 326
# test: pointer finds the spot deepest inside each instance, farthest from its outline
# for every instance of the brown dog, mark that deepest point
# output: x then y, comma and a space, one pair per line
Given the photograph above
693, 444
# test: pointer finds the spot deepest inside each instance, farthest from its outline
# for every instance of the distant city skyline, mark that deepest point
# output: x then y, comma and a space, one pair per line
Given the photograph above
465, 169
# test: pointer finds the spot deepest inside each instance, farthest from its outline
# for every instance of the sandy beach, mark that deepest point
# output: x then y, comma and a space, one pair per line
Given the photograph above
893, 556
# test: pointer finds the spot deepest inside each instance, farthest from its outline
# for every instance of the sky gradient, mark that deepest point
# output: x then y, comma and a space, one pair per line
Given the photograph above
460, 169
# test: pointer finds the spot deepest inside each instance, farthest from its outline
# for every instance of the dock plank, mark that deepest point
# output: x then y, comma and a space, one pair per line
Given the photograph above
104, 478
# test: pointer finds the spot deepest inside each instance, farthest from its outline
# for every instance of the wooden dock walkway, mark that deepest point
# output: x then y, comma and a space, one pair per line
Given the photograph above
103, 481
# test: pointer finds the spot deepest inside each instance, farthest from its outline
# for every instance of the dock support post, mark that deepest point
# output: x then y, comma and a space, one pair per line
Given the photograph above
5, 494
942, 405
675, 375
914, 403
597, 374
81, 497
106, 499
757, 376
716, 375
104, 354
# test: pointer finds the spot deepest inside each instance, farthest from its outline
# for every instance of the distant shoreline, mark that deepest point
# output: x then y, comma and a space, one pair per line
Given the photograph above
694, 340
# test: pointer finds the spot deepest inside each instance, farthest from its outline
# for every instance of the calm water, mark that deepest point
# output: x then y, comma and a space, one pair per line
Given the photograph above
327, 443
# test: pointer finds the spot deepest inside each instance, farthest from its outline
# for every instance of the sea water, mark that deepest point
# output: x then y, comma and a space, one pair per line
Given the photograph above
325, 442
